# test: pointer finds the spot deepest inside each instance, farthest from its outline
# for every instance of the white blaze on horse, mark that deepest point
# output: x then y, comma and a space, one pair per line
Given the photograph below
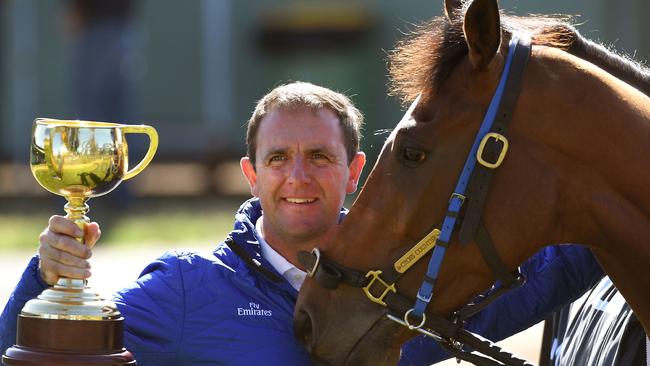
562, 158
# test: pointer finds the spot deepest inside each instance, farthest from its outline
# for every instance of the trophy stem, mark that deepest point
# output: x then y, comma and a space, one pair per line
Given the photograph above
76, 209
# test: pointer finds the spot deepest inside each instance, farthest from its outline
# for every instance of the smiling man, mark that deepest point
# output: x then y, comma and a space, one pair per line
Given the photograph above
233, 306
300, 168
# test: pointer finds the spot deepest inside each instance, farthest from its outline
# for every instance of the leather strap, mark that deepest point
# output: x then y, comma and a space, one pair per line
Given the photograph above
250, 262
463, 341
492, 258
329, 273
481, 176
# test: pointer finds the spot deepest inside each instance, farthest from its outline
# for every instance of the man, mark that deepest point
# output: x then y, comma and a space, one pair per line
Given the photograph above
235, 305
225, 308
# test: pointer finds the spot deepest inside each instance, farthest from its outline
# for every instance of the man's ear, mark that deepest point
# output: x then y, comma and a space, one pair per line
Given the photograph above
249, 172
356, 167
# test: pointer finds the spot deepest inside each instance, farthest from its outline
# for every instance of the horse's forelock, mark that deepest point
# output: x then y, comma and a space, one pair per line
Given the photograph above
416, 63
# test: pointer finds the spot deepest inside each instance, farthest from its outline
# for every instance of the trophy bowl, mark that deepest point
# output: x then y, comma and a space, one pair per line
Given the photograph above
84, 159
69, 324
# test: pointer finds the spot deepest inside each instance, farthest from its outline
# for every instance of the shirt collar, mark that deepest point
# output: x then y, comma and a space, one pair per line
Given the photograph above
276, 260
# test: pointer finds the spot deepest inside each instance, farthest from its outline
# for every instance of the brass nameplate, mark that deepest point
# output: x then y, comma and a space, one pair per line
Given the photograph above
417, 252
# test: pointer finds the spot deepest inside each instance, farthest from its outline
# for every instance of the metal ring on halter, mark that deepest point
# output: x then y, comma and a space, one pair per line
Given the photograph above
411, 327
316, 254
426, 332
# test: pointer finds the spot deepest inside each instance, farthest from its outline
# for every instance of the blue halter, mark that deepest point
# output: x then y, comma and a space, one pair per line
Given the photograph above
458, 197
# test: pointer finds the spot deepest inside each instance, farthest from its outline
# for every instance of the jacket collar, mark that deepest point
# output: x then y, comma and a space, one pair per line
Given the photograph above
244, 232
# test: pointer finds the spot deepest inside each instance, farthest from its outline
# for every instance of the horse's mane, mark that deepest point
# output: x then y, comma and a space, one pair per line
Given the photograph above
428, 55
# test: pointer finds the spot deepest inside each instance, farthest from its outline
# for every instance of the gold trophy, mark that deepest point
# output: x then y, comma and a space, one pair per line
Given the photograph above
69, 324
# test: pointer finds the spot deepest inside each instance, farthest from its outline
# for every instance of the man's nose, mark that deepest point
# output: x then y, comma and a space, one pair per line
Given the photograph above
299, 171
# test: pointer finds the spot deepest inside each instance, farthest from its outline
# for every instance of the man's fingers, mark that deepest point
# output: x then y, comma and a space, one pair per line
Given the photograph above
62, 225
51, 271
91, 234
61, 254
64, 243
62, 257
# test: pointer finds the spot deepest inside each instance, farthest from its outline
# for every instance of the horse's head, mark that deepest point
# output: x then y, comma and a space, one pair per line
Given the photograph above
451, 70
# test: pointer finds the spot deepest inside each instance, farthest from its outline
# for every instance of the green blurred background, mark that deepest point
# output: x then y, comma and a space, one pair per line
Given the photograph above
194, 69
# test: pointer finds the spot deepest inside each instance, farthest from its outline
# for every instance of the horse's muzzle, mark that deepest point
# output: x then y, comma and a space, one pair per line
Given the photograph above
303, 329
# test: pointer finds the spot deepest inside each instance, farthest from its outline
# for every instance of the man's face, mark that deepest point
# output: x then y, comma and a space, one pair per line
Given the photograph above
301, 174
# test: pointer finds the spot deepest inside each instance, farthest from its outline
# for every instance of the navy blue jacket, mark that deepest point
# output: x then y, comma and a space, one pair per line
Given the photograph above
188, 308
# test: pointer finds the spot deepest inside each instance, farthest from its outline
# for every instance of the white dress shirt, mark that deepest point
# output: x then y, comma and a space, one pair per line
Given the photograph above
291, 273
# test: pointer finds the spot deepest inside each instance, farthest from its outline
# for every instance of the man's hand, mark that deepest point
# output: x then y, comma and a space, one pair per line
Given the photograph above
61, 254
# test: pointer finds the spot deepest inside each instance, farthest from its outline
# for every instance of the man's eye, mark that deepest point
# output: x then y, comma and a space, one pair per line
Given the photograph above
277, 158
319, 156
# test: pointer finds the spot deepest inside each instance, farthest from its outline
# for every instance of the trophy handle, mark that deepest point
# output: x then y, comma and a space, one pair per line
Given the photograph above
153, 146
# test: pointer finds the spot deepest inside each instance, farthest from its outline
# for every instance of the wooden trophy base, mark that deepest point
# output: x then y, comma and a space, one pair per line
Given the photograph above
59, 342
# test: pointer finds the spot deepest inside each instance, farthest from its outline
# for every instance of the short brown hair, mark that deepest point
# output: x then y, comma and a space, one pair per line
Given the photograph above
302, 94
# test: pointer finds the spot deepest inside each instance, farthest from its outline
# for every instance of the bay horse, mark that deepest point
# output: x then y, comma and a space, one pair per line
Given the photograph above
573, 169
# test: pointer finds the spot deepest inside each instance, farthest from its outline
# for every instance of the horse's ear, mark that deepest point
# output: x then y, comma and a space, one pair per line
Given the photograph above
451, 7
482, 29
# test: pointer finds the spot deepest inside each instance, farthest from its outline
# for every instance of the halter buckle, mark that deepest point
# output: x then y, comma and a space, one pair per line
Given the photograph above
378, 299
316, 254
460, 197
426, 299
479, 153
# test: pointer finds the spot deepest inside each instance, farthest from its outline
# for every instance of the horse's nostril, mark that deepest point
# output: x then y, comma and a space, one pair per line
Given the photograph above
303, 329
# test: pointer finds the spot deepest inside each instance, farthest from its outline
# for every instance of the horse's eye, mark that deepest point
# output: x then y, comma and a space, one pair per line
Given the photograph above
414, 155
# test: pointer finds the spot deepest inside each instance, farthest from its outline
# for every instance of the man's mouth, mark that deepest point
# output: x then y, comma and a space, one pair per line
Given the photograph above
300, 200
